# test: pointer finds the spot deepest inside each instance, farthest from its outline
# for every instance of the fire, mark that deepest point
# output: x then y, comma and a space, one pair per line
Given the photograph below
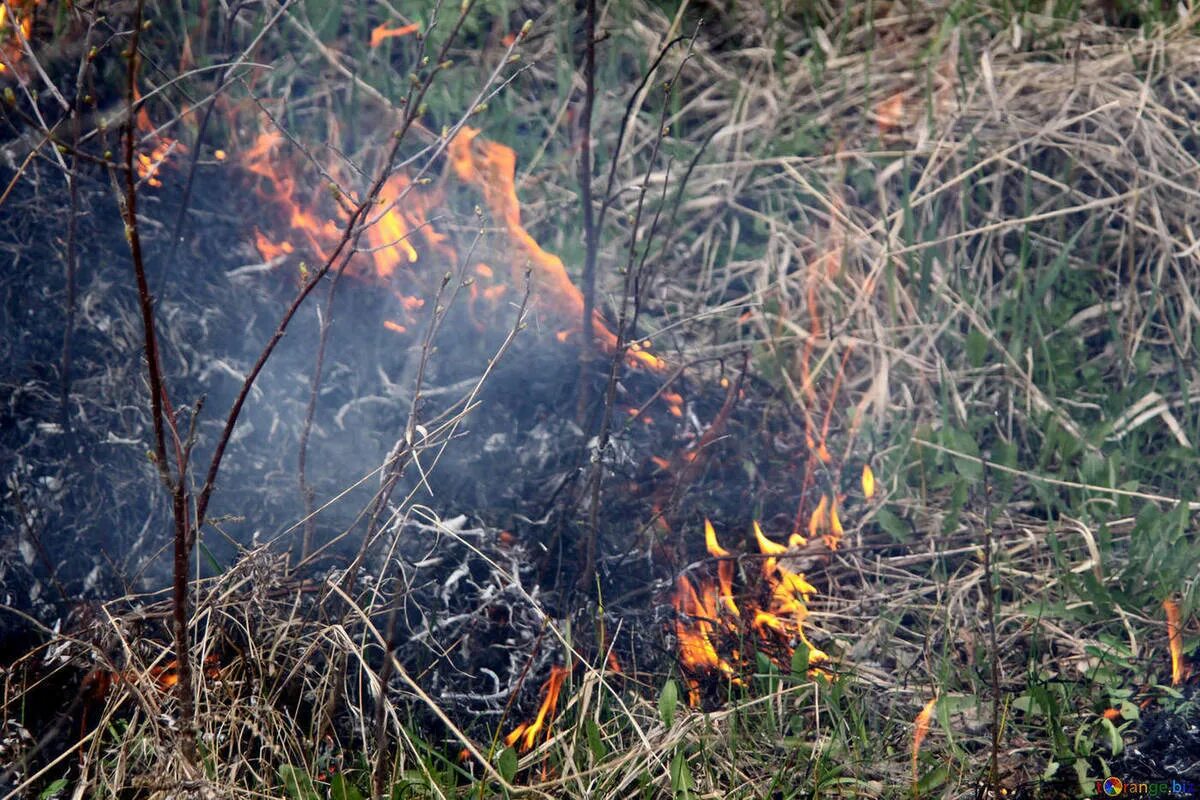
711, 623
165, 677
1175, 642
14, 31
491, 168
400, 234
868, 481
525, 734
382, 32
148, 164
920, 731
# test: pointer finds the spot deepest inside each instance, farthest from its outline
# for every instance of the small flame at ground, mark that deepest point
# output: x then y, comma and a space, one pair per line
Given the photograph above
920, 731
149, 163
1175, 642
525, 735
711, 624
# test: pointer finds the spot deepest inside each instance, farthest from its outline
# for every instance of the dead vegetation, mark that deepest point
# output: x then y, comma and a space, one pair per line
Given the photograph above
954, 242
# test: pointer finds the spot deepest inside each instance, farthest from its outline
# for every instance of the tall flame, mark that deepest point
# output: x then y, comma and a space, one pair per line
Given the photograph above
491, 168
399, 233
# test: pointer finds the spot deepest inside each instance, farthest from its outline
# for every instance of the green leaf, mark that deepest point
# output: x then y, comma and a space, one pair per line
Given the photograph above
893, 525
977, 346
1115, 742
595, 740
213, 564
964, 443
342, 789
53, 789
800, 661
1026, 705
933, 779
668, 699
681, 776
297, 784
507, 764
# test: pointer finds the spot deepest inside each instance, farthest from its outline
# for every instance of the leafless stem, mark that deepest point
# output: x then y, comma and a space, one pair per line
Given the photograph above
994, 651
630, 294
306, 491
72, 254
587, 345
175, 484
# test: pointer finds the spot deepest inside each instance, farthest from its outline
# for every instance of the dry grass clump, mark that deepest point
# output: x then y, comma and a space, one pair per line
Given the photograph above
964, 181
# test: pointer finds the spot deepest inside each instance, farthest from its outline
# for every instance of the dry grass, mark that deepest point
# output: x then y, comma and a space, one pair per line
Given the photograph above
996, 215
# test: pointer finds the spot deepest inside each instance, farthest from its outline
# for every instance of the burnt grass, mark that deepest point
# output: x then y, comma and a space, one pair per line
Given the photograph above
89, 521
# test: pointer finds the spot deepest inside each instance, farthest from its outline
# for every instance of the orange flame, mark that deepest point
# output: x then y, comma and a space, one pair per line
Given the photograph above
148, 164
889, 113
382, 32
710, 623
724, 568
399, 234
491, 168
14, 30
527, 732
1175, 642
920, 731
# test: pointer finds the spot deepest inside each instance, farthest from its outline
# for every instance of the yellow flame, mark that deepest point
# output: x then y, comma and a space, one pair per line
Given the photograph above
527, 733
868, 481
492, 168
1174, 641
765, 545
